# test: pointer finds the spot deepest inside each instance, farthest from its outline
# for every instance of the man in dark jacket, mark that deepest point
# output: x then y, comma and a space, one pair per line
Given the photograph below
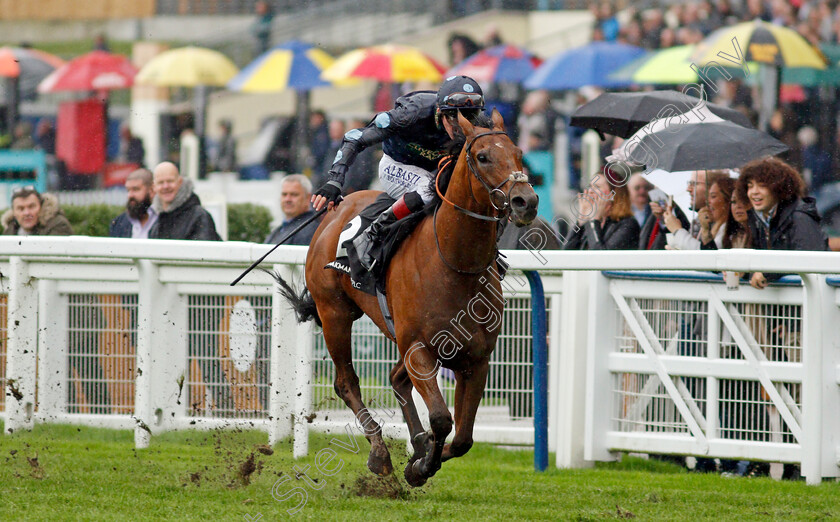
779, 218
139, 217
295, 191
34, 214
180, 215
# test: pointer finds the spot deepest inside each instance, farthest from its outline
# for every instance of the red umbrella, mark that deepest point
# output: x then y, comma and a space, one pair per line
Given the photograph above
503, 63
94, 71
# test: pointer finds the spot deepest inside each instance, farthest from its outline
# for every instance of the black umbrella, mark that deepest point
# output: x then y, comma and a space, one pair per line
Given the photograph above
703, 146
622, 114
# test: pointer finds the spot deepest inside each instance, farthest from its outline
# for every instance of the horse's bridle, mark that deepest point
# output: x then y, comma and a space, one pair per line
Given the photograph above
516, 176
503, 207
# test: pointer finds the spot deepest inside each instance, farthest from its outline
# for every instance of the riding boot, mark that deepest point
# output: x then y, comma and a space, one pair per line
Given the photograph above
371, 237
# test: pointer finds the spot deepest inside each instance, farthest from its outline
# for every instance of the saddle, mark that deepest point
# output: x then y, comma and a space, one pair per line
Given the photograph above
347, 259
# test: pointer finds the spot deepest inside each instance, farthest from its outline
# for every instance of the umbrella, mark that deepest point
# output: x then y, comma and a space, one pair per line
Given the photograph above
502, 63
673, 184
292, 65
587, 65
29, 66
623, 114
760, 42
94, 71
669, 66
194, 67
188, 67
704, 146
25, 68
386, 63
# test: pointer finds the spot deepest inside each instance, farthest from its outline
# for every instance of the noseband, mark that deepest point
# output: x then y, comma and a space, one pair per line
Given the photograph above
503, 207
494, 193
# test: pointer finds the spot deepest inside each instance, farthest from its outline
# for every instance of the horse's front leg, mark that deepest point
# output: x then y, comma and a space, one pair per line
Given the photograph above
469, 387
422, 369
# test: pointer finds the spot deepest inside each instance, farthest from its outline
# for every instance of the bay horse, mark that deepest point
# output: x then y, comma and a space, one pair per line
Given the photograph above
432, 284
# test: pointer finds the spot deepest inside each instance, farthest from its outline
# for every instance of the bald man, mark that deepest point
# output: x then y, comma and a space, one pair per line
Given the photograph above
180, 214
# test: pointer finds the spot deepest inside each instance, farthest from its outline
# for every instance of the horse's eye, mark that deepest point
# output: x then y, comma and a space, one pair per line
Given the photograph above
482, 157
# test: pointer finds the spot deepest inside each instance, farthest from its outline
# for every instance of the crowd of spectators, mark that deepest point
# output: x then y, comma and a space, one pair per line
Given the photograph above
801, 121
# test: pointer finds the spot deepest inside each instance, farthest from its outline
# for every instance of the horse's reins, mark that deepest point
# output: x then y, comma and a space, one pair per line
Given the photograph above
515, 177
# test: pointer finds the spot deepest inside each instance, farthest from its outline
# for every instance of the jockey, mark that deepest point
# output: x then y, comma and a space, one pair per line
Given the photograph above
416, 133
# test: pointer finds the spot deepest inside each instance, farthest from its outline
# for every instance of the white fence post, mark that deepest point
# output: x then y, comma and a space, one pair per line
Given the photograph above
283, 360
569, 371
819, 381
148, 300
599, 380
303, 390
22, 345
52, 351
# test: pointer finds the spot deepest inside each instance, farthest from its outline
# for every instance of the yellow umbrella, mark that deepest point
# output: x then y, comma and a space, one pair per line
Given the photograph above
386, 63
760, 42
187, 67
195, 67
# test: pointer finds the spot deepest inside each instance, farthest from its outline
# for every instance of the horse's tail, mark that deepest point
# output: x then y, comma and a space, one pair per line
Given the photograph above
301, 300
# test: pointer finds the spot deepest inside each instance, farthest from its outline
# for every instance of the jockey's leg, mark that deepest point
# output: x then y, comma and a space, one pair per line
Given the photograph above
406, 205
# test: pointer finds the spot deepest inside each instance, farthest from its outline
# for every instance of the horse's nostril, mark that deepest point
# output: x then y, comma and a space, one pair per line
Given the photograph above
518, 202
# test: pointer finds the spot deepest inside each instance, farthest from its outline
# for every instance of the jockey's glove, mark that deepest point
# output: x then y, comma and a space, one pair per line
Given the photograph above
331, 190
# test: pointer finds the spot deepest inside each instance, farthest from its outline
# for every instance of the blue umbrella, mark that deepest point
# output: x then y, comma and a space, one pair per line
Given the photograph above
591, 64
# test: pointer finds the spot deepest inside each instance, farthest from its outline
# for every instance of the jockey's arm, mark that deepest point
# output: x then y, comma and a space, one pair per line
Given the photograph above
355, 141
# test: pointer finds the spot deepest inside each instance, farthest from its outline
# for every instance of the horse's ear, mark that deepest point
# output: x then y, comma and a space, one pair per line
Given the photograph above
498, 121
465, 124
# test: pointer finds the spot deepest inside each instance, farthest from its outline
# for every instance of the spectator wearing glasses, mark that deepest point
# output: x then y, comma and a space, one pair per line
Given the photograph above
678, 238
780, 219
420, 130
34, 214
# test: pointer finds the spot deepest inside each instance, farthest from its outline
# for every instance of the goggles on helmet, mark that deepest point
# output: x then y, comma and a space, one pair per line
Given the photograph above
462, 100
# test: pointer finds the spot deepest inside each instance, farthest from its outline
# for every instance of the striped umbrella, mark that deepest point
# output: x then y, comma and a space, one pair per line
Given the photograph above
502, 63
386, 63
292, 65
760, 42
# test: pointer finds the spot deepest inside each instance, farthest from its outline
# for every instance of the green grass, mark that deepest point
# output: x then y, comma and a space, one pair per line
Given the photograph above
92, 474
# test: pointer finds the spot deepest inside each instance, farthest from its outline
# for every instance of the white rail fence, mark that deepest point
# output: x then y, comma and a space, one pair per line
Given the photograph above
149, 336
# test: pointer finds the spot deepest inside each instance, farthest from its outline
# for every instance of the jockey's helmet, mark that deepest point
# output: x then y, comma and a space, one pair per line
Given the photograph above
460, 93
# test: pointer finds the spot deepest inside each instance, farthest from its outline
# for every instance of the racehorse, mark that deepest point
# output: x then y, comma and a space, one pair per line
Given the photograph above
440, 293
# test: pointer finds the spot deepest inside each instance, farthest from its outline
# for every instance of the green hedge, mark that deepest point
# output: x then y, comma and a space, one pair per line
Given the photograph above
246, 221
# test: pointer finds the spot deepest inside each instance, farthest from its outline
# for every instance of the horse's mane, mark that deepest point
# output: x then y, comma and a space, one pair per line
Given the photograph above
453, 150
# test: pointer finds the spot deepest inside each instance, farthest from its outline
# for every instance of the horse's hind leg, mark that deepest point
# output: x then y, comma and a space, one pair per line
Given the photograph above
401, 383
468, 391
337, 328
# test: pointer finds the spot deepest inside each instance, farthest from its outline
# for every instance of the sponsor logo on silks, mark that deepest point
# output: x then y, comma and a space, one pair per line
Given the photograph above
353, 134
382, 120
338, 156
433, 155
335, 265
468, 88
400, 175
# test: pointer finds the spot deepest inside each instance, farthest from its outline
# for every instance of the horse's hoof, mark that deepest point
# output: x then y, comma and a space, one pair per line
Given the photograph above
411, 475
380, 465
